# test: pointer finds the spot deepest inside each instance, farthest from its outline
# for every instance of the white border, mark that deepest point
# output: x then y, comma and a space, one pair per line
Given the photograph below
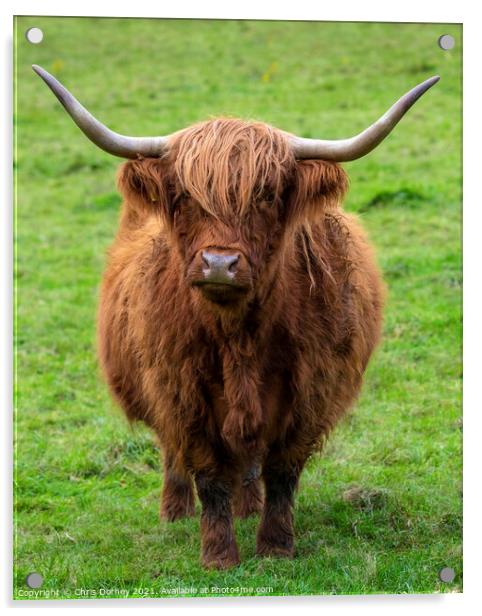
348, 10
462, 11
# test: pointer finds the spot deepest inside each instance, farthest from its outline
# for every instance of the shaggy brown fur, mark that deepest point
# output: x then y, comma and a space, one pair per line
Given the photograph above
239, 394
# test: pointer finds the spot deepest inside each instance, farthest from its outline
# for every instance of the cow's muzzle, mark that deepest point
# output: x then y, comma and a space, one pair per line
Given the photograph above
223, 276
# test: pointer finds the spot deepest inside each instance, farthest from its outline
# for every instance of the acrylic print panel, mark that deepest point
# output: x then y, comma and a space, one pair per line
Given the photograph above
238, 313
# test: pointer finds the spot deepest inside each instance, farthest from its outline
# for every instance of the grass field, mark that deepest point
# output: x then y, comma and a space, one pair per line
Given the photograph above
380, 511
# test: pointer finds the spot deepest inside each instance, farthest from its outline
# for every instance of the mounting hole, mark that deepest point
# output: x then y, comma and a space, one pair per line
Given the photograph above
447, 575
446, 42
34, 580
34, 35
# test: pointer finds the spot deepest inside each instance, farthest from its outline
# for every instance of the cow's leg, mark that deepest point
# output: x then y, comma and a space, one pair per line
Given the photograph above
177, 494
248, 498
219, 549
275, 534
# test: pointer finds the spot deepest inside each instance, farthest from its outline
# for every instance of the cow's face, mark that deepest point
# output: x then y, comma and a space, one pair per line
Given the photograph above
230, 199
227, 260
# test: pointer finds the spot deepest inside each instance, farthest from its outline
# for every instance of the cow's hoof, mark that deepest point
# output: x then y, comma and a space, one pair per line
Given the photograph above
220, 563
275, 550
225, 560
280, 546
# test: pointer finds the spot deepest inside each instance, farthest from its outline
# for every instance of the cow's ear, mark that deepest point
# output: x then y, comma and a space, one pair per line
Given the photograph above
144, 184
318, 185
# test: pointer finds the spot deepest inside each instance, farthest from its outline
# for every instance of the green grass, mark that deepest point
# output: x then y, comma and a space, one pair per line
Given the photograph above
380, 511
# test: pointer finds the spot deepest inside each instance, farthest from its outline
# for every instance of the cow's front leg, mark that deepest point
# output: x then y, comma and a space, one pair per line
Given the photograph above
177, 494
275, 534
218, 543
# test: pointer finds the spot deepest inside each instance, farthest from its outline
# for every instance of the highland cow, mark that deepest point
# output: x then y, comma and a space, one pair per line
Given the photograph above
238, 310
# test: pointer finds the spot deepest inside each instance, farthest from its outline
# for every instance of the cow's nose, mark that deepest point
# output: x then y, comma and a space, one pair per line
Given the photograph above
219, 268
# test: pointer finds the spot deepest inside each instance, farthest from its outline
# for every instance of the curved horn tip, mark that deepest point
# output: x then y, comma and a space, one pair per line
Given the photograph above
43, 74
427, 84
38, 69
432, 80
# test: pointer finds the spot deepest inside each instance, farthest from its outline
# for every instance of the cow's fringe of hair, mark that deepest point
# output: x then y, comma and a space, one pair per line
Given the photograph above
225, 164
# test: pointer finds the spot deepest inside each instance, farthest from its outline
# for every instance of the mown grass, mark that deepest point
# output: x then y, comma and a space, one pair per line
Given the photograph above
380, 511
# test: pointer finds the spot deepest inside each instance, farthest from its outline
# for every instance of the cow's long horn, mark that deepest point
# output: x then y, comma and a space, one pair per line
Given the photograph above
363, 143
108, 140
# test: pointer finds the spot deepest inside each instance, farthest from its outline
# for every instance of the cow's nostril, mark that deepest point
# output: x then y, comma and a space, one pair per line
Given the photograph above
232, 265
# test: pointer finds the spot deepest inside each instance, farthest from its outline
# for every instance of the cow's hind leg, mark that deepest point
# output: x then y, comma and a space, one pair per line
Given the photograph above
275, 535
177, 494
248, 498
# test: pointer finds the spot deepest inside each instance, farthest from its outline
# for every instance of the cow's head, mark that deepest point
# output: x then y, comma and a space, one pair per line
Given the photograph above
229, 190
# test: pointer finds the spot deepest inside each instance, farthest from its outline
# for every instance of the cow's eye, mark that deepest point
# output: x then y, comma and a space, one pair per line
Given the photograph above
175, 205
266, 204
179, 198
